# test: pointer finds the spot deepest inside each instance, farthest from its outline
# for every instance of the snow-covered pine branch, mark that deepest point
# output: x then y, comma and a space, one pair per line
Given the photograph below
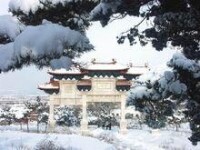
44, 32
160, 86
159, 89
41, 44
104, 10
179, 61
33, 5
73, 14
19, 112
10, 28
152, 91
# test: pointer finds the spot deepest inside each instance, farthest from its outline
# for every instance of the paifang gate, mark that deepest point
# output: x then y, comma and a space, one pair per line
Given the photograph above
95, 82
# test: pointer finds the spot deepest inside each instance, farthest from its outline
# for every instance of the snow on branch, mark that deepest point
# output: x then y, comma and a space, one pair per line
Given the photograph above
27, 6
62, 62
10, 27
154, 86
104, 10
6, 54
41, 44
161, 88
19, 112
180, 61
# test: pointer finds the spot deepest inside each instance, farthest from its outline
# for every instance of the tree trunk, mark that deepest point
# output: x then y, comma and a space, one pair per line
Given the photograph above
45, 127
37, 126
20, 125
27, 125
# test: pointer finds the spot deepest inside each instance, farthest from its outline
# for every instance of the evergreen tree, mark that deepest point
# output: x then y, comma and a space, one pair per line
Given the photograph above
68, 116
175, 23
59, 27
101, 114
21, 115
6, 116
41, 111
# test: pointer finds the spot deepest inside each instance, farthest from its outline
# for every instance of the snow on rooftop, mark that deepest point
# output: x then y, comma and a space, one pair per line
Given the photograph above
48, 86
72, 70
137, 70
86, 77
106, 67
94, 65
120, 77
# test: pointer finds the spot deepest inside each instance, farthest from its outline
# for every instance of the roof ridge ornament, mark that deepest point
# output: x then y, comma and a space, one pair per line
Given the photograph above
95, 62
146, 65
130, 65
114, 61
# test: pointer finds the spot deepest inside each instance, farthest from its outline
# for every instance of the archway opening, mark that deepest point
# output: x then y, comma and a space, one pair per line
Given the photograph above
105, 115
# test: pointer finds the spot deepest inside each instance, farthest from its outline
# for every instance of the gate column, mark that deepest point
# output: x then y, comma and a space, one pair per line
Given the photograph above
52, 121
123, 123
84, 121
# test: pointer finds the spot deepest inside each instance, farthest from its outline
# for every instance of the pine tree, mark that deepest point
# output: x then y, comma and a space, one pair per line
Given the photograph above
175, 23
68, 116
41, 111
6, 116
58, 26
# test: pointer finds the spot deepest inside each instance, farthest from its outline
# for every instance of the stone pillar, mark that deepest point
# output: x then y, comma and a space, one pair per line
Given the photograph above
123, 123
51, 114
84, 121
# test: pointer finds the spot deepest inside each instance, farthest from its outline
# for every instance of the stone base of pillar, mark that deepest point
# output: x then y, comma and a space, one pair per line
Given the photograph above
123, 127
84, 127
51, 125
155, 131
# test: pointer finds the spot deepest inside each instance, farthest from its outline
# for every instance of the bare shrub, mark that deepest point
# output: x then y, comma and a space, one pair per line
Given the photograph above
107, 137
20, 147
48, 145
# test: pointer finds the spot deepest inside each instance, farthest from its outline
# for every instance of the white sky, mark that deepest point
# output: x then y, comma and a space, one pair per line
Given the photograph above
25, 81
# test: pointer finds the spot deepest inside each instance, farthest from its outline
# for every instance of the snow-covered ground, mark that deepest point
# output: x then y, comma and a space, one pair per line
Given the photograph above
148, 140
10, 140
99, 139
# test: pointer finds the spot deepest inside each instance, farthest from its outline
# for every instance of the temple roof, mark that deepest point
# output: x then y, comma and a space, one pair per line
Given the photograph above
83, 75
100, 66
137, 70
113, 65
72, 70
51, 85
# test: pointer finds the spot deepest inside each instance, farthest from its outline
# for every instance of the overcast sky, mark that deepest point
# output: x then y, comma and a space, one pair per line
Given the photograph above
25, 81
